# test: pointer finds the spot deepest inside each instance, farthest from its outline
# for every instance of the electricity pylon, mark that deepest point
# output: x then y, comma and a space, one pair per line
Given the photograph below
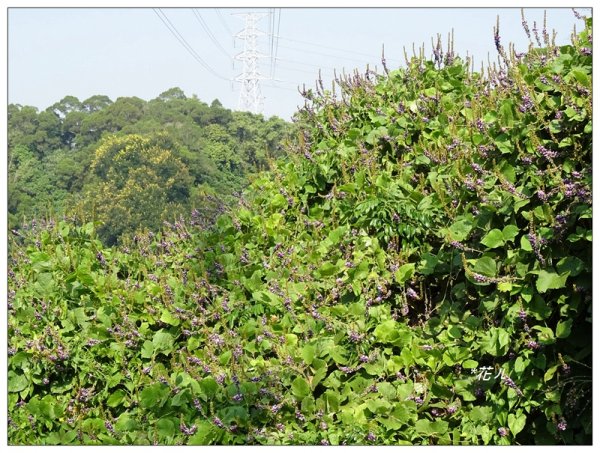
250, 95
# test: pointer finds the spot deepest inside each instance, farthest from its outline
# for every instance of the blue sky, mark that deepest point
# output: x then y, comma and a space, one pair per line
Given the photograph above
54, 52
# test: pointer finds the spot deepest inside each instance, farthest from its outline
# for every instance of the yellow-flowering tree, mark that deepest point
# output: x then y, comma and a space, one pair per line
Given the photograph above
140, 184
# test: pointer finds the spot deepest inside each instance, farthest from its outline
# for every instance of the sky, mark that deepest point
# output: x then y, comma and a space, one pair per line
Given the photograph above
55, 52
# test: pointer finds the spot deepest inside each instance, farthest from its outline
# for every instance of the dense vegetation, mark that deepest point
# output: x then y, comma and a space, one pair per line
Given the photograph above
418, 271
97, 159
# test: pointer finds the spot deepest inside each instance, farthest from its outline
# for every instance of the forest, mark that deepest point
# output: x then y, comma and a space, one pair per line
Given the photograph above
74, 156
408, 263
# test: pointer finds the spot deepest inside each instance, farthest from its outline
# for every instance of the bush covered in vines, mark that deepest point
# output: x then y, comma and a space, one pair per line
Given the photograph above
418, 271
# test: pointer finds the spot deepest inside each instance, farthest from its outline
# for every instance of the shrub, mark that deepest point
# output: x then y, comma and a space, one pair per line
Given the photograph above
418, 272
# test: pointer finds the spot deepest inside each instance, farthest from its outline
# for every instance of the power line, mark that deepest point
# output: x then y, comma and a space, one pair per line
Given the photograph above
305, 64
322, 53
271, 39
223, 21
185, 44
277, 44
333, 48
209, 33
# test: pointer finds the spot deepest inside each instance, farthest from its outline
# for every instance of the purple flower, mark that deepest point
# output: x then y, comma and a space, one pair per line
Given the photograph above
522, 315
547, 153
457, 245
363, 358
510, 383
527, 160
526, 104
187, 431
371, 437
477, 168
480, 125
324, 442
354, 337
275, 408
497, 39
100, 258
502, 432
109, 426
480, 278
562, 425
533, 345
197, 404
217, 421
238, 397
412, 294
451, 409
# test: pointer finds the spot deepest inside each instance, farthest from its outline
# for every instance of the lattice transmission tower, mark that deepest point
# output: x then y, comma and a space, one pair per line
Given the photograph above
251, 97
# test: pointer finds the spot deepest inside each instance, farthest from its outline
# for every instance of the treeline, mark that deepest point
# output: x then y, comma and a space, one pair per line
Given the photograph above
132, 164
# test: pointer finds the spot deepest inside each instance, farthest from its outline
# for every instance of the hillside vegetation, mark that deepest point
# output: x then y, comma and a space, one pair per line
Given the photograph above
417, 271
132, 164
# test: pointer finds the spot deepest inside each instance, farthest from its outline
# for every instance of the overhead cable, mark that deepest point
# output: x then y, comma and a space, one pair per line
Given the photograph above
185, 44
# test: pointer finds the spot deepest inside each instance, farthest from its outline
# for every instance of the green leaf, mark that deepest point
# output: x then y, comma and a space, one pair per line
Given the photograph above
386, 332
17, 382
459, 230
516, 423
166, 427
204, 434
425, 427
469, 364
116, 398
550, 280
563, 328
486, 266
546, 335
168, 318
300, 387
335, 236
378, 406
405, 272
163, 342
510, 232
147, 349
571, 264
549, 374
428, 263
333, 400
525, 244
278, 202
328, 269
182, 398
209, 386
481, 414
493, 239
154, 395
308, 353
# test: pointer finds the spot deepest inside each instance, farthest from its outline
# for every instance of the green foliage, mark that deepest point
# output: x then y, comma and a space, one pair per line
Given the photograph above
51, 155
418, 272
